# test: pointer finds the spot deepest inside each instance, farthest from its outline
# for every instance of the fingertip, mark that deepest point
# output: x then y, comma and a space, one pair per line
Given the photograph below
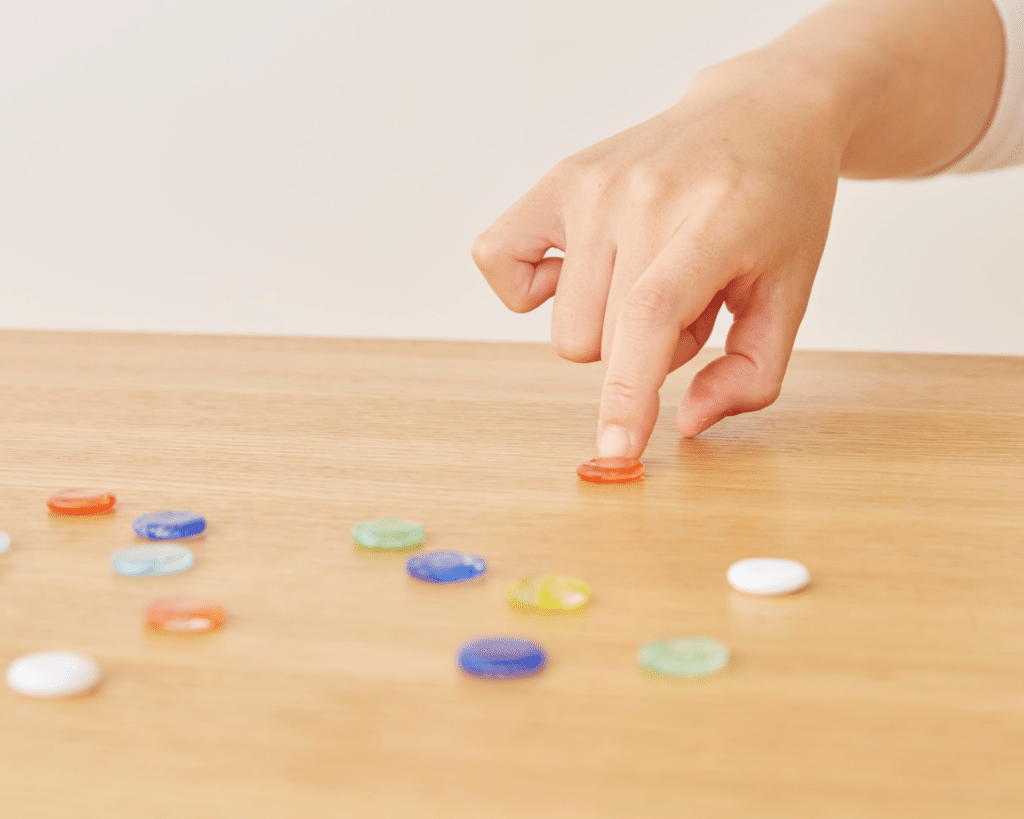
533, 285
715, 392
613, 441
690, 426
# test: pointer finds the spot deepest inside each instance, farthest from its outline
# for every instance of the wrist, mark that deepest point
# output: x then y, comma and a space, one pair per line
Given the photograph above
829, 95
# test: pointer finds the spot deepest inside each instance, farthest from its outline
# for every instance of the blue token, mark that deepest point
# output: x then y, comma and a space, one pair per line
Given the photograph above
169, 525
445, 567
501, 658
152, 560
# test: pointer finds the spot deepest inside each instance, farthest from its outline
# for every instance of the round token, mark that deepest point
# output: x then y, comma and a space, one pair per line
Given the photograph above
549, 592
768, 575
684, 656
388, 533
81, 502
445, 567
611, 470
53, 674
185, 614
168, 525
5, 542
152, 560
501, 658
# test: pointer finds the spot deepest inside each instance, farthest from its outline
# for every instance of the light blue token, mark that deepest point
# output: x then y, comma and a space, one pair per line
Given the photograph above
5, 542
169, 525
445, 567
152, 560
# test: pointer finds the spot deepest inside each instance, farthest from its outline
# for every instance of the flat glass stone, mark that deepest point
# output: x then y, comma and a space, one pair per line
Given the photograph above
501, 658
768, 576
168, 525
81, 502
388, 533
53, 674
549, 592
611, 470
5, 542
684, 656
152, 560
445, 567
185, 614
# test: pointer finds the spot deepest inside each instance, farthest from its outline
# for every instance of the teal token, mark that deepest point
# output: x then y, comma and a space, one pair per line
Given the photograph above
388, 533
684, 656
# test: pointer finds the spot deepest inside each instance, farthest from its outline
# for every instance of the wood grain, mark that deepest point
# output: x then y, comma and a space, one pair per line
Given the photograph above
890, 688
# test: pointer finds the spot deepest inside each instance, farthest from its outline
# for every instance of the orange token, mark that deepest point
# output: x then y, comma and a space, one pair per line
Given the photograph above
185, 614
81, 502
611, 470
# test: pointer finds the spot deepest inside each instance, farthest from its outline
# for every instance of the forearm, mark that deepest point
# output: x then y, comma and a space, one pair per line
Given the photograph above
909, 85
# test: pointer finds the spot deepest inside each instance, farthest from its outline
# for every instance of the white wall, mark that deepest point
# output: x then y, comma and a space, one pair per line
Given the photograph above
320, 167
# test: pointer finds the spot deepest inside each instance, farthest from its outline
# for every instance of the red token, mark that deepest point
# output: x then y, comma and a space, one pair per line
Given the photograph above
185, 614
81, 502
611, 470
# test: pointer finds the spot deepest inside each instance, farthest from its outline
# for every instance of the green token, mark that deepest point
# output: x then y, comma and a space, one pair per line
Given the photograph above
388, 533
684, 656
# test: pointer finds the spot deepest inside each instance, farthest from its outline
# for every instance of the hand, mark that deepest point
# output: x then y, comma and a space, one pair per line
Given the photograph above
725, 198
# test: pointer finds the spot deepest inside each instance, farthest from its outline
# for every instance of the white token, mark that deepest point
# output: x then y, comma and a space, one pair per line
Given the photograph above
768, 575
53, 674
5, 542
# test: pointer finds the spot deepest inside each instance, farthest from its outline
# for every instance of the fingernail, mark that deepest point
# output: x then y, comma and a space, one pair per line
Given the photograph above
707, 423
614, 442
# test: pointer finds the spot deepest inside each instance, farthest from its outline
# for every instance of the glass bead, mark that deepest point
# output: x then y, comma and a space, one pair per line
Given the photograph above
611, 470
388, 533
768, 576
501, 658
684, 656
185, 614
152, 560
53, 674
549, 593
445, 567
169, 525
81, 502
5, 542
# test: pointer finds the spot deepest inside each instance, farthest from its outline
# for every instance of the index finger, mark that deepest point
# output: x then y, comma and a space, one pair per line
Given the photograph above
668, 297
510, 253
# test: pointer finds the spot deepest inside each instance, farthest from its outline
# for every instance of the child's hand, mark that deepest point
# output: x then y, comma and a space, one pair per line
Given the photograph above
724, 198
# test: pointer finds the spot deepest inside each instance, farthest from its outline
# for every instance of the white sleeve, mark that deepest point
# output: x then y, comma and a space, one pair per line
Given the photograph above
1002, 144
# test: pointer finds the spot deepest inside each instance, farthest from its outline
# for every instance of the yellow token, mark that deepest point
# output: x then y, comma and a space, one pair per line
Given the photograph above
549, 592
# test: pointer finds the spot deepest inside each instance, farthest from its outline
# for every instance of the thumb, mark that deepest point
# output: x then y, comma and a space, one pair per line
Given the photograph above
757, 350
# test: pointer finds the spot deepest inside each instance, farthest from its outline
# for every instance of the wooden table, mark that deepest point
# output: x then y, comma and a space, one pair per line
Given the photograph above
893, 687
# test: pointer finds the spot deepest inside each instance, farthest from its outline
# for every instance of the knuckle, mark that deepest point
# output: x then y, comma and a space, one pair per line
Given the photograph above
620, 391
488, 250
756, 389
766, 393
564, 170
649, 187
651, 305
593, 180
